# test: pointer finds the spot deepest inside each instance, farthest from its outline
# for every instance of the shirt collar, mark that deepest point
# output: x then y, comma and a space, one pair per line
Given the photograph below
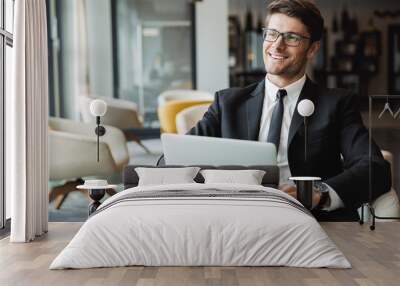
293, 90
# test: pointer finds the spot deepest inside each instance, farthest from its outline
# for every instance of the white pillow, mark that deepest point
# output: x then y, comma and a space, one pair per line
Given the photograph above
164, 176
248, 177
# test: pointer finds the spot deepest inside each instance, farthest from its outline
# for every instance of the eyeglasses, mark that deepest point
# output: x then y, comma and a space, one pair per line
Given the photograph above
290, 39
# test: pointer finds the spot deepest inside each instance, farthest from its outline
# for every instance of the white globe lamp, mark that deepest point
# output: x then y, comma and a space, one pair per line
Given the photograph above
98, 108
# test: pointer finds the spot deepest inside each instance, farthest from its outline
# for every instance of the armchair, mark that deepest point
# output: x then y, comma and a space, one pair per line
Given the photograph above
188, 117
167, 112
387, 205
122, 114
171, 102
72, 154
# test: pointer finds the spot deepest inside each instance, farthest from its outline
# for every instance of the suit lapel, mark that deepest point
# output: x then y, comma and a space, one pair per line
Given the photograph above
254, 106
308, 92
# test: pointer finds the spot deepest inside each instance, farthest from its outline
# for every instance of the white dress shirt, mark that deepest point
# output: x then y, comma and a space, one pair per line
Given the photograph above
289, 102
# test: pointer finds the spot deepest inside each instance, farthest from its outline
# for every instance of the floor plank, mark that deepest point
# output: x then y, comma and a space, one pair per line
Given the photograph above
375, 257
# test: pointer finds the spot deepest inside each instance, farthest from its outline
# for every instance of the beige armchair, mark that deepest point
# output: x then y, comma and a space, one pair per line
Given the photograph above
171, 102
188, 117
73, 154
122, 114
387, 205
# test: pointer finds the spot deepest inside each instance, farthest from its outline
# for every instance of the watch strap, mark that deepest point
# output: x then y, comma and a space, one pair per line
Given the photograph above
324, 196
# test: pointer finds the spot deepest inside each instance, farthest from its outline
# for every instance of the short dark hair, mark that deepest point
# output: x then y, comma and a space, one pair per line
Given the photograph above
303, 10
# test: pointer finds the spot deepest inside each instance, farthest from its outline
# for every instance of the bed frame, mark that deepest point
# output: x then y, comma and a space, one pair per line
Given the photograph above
271, 178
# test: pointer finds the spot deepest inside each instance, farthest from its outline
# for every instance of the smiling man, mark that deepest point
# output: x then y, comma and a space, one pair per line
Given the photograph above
266, 111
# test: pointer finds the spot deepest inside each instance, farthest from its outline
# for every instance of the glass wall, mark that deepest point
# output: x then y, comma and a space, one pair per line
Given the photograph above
154, 51
128, 49
123, 49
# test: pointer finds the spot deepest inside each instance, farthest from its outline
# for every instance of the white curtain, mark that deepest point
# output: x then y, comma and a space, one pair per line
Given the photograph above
27, 118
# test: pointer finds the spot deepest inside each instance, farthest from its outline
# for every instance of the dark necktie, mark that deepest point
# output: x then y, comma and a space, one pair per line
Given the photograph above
274, 133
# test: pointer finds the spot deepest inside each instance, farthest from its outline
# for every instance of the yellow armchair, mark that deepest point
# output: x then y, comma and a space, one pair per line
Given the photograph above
167, 112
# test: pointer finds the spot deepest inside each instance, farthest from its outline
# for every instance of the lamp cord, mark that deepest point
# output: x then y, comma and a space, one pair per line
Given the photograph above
305, 140
98, 146
98, 137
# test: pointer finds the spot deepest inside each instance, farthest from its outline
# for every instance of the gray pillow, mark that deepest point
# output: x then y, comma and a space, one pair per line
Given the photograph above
165, 176
248, 177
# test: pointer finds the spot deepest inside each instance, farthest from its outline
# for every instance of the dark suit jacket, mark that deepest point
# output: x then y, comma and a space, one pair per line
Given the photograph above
334, 129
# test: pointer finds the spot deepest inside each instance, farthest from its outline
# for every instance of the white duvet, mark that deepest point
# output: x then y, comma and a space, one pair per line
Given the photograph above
184, 231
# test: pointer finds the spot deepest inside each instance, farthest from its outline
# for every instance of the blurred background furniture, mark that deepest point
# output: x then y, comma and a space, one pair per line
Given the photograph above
188, 117
122, 114
387, 205
171, 102
72, 155
167, 112
183, 94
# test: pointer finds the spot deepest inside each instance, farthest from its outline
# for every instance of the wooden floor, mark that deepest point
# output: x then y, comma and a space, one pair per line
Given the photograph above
375, 256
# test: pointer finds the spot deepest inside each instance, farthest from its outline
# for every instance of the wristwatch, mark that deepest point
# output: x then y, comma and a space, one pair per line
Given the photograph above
322, 189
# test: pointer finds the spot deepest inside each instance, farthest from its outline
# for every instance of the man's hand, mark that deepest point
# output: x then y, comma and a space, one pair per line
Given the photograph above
289, 189
292, 191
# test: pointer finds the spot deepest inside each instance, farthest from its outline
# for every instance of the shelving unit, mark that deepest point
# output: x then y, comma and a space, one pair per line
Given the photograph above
394, 59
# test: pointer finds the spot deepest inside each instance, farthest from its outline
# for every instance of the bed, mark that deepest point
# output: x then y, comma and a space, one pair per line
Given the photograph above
201, 224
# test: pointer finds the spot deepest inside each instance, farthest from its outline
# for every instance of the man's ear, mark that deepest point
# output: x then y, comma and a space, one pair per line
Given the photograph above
313, 49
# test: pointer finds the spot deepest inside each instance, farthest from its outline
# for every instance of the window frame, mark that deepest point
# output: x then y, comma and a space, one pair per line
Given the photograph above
6, 39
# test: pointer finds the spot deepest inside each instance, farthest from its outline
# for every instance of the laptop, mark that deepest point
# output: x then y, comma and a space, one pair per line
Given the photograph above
201, 150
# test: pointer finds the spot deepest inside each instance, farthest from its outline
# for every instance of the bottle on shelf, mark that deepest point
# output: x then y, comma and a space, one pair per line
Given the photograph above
234, 42
250, 42
335, 24
259, 64
344, 22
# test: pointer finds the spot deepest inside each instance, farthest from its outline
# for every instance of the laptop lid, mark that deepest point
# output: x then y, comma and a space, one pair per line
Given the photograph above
201, 150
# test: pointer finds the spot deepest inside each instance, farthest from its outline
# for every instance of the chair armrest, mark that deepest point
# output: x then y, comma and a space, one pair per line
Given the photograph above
71, 126
121, 117
188, 117
116, 141
121, 104
387, 205
114, 137
74, 155
167, 112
